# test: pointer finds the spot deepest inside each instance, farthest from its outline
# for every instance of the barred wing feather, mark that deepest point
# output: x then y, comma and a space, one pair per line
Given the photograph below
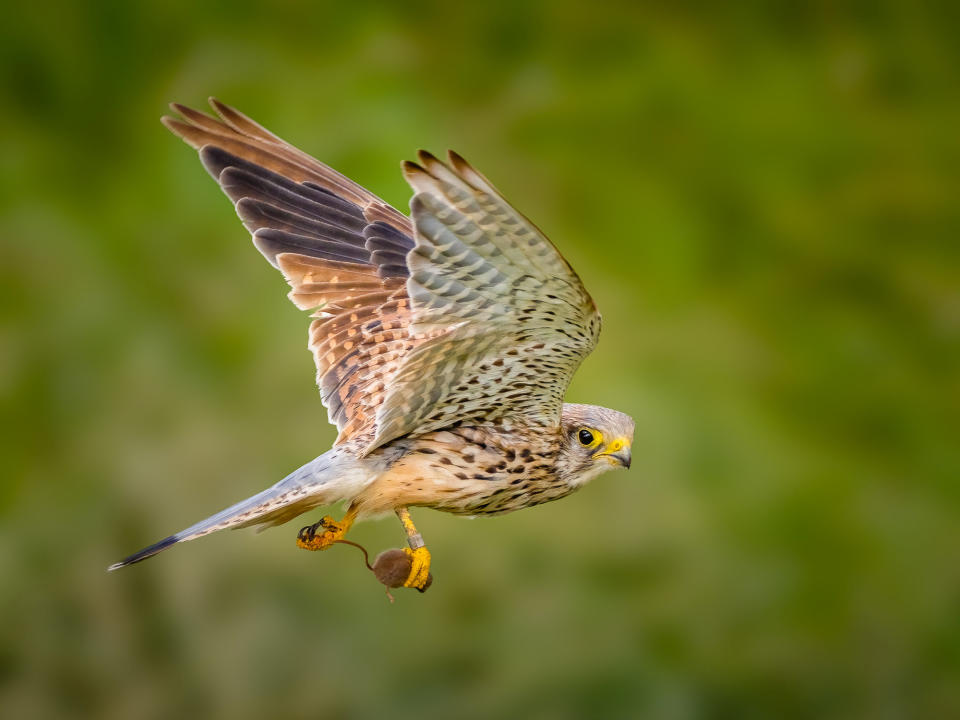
502, 320
468, 314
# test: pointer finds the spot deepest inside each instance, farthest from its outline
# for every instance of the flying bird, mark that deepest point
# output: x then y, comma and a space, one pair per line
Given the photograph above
444, 341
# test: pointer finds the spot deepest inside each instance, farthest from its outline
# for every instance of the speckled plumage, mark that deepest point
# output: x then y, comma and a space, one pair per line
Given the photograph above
444, 342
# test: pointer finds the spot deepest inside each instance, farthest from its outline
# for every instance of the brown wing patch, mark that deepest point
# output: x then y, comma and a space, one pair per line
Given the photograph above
479, 320
357, 337
341, 249
316, 281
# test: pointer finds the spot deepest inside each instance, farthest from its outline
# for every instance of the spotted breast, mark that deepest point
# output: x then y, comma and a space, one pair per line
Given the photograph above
471, 471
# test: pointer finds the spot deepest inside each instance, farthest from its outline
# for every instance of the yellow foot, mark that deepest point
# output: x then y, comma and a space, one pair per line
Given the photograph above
419, 568
322, 534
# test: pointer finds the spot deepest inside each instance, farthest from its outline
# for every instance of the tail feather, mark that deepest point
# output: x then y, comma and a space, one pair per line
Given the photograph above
303, 489
145, 553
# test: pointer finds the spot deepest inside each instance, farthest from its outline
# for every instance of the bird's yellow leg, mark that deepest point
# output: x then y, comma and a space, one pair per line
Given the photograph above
419, 555
326, 531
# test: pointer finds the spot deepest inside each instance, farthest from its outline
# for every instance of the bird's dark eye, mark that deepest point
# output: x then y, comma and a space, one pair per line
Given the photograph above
585, 437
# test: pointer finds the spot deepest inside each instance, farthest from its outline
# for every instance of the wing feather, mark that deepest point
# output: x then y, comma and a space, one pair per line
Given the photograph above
341, 249
502, 319
468, 314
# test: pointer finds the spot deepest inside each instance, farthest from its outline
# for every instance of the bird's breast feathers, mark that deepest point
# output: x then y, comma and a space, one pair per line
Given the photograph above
469, 471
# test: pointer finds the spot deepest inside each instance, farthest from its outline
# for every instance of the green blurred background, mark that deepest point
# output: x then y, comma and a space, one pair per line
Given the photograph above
764, 202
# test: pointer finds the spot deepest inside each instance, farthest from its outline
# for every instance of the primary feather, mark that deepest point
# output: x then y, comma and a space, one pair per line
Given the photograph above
443, 344
468, 314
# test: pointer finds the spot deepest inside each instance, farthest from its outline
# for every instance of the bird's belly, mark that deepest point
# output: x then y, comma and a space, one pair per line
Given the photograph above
500, 498
490, 482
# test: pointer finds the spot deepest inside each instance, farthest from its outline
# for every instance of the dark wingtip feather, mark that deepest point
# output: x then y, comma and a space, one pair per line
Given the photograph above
468, 173
145, 553
459, 164
220, 108
174, 125
183, 110
426, 158
216, 159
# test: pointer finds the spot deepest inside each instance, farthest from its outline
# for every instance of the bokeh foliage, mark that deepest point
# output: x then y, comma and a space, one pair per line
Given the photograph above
763, 199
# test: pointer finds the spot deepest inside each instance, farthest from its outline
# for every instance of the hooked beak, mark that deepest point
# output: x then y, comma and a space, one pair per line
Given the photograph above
623, 457
618, 452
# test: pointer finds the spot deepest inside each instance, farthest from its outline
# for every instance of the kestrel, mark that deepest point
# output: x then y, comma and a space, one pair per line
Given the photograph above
444, 341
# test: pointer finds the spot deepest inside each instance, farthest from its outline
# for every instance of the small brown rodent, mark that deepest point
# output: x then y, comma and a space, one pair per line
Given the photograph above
392, 568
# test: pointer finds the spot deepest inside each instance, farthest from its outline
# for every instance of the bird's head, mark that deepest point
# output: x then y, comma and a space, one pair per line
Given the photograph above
595, 440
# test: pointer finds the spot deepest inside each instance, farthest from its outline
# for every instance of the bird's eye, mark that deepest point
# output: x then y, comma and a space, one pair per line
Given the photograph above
585, 437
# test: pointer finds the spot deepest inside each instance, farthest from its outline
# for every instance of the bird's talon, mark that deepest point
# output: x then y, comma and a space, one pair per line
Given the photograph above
308, 539
419, 568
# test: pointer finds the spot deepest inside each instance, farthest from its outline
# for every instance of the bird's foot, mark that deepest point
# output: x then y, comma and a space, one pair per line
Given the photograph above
419, 568
321, 534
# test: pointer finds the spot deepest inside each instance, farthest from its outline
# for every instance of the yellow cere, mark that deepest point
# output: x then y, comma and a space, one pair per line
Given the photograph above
613, 447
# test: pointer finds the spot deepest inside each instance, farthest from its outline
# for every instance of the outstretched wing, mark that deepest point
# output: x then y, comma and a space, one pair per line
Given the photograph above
340, 247
502, 320
479, 319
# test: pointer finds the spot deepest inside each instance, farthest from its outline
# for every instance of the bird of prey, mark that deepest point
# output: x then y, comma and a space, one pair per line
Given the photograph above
444, 342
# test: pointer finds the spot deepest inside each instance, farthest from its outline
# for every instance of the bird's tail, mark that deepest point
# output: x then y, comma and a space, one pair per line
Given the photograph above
319, 482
